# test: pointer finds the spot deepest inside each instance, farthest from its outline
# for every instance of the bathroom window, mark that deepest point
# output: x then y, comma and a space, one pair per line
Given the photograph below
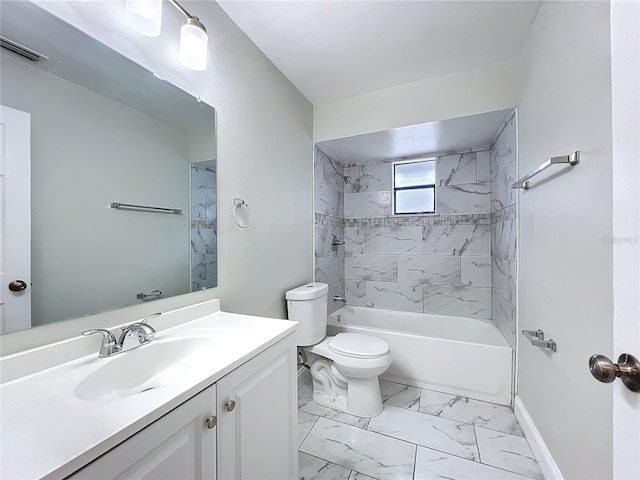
414, 189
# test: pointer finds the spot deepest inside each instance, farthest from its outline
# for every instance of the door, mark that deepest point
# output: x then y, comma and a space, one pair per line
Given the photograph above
625, 69
257, 417
15, 220
180, 445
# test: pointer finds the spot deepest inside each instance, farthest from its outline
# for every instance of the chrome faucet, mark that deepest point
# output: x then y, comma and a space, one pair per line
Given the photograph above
142, 329
109, 345
112, 346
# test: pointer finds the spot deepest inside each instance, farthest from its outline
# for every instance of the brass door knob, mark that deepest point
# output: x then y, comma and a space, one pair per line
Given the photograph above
230, 405
627, 368
18, 286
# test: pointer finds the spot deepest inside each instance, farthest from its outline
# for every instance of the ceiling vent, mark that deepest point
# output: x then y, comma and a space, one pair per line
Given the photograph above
22, 50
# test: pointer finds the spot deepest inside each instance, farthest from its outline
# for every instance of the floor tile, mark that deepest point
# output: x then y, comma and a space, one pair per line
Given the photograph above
305, 422
322, 411
509, 452
399, 395
360, 476
305, 393
361, 450
427, 430
314, 468
431, 464
461, 409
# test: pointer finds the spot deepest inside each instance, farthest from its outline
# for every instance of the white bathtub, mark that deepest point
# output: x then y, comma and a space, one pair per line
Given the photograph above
457, 355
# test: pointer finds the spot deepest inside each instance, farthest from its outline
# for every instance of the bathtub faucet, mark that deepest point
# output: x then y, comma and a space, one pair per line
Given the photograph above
337, 298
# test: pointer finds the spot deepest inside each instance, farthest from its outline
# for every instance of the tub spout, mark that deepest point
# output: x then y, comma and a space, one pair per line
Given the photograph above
338, 298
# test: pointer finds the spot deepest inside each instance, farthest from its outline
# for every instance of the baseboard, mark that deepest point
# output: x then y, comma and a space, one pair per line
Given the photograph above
546, 462
304, 376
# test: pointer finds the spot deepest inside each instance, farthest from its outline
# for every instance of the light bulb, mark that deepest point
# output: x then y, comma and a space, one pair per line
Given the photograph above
145, 16
193, 44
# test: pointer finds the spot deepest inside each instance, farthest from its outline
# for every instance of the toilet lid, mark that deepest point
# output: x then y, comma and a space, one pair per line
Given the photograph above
357, 345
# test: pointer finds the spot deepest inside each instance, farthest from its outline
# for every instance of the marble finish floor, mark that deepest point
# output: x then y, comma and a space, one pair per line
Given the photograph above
421, 434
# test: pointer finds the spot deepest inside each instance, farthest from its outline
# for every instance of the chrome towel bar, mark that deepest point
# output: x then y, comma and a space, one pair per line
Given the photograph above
536, 337
130, 206
144, 296
571, 159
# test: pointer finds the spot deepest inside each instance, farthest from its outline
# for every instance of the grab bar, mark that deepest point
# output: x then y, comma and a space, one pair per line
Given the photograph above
536, 337
572, 159
126, 206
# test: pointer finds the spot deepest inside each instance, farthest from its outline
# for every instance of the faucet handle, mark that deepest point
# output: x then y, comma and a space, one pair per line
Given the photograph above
144, 320
143, 328
109, 343
144, 331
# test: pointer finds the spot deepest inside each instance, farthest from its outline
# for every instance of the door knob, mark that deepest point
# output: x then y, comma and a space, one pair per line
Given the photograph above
627, 368
18, 286
231, 404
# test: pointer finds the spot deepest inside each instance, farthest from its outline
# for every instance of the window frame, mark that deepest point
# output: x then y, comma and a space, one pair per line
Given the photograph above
425, 186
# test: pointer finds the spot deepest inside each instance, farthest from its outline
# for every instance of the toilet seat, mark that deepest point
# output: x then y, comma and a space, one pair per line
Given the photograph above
356, 345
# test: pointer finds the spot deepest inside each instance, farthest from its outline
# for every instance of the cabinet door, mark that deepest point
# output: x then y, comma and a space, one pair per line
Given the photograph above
177, 446
257, 433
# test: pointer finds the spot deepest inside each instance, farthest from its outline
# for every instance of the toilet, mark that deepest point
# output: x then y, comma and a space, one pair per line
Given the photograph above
344, 368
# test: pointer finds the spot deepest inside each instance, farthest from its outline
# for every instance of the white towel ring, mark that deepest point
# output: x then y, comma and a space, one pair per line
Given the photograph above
237, 204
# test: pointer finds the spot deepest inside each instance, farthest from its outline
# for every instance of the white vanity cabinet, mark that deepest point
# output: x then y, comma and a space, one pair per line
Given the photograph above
257, 417
180, 445
242, 427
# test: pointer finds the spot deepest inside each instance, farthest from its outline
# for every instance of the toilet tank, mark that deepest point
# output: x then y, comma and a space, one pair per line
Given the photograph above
308, 306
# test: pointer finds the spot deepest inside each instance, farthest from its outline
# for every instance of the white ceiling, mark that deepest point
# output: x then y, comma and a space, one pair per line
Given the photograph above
473, 131
336, 49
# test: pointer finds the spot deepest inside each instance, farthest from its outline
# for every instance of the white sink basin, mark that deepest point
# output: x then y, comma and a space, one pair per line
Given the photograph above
142, 369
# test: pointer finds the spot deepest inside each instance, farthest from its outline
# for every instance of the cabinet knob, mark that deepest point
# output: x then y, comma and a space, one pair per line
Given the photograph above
230, 405
211, 422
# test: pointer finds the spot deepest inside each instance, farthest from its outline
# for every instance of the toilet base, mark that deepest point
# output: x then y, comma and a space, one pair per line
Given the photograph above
363, 397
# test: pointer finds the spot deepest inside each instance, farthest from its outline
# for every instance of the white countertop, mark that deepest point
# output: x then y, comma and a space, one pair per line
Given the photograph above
47, 432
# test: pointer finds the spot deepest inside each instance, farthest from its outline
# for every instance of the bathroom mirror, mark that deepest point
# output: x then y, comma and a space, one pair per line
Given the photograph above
103, 130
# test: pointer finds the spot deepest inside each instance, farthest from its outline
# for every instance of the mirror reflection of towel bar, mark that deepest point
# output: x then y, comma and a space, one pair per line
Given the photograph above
144, 296
131, 206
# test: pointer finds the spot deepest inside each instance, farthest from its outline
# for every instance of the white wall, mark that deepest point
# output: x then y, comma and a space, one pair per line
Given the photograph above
87, 257
264, 150
625, 73
565, 264
477, 90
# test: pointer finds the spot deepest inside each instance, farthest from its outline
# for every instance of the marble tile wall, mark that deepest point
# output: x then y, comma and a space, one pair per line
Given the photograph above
421, 263
204, 237
460, 261
504, 231
329, 220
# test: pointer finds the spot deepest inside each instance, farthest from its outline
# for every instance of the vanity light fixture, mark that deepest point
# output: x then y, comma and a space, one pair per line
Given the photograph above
145, 17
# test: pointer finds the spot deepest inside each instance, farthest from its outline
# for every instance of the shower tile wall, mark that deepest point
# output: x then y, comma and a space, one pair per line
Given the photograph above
329, 220
504, 171
421, 263
204, 260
